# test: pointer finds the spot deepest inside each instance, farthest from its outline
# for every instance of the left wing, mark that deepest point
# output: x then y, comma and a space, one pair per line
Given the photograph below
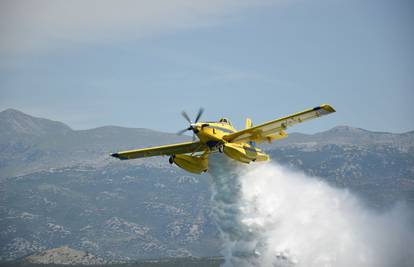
264, 130
181, 148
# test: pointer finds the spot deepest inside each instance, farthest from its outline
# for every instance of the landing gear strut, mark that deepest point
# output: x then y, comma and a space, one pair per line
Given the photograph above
171, 159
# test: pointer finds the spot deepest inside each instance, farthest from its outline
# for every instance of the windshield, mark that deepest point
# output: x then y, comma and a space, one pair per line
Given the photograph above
225, 120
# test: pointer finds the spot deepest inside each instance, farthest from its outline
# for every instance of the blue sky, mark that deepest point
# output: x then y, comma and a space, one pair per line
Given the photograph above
138, 64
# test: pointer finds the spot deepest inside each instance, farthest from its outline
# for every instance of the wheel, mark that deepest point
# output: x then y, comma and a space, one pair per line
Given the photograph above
171, 159
221, 148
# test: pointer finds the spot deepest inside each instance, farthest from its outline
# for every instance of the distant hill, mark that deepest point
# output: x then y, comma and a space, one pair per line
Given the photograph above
59, 187
378, 166
346, 135
29, 144
14, 123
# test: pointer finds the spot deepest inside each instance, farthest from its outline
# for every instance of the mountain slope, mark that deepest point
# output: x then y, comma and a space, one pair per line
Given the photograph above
345, 135
29, 144
64, 255
14, 123
60, 188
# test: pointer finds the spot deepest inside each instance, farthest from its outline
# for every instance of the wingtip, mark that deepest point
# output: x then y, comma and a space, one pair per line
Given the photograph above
118, 156
115, 155
327, 108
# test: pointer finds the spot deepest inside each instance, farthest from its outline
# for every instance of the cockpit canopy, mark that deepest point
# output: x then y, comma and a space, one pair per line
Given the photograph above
225, 120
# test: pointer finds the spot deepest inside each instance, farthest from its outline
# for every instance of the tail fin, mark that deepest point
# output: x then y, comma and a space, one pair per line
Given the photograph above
249, 123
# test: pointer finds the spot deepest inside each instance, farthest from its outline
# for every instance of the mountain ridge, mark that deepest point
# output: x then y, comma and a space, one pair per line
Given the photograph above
62, 189
41, 143
339, 128
22, 123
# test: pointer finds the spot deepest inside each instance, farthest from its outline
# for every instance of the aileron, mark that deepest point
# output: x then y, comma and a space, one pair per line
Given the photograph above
278, 125
181, 148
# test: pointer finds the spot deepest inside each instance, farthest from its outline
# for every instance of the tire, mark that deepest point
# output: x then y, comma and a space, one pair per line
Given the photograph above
221, 148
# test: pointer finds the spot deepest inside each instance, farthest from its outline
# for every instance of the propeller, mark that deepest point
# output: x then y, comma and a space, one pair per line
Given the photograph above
192, 124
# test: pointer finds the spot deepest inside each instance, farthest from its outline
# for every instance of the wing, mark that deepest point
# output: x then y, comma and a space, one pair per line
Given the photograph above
181, 148
260, 132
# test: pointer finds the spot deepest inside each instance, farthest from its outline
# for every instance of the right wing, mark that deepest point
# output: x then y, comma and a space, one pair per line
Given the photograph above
181, 148
276, 127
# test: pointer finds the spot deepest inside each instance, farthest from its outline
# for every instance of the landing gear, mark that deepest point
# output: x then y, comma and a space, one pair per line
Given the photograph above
221, 148
171, 159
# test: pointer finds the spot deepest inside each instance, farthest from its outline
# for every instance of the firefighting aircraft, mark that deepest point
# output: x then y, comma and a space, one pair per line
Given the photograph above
222, 137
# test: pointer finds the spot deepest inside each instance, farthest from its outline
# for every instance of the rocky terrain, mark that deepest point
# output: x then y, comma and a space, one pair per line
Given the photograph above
64, 255
59, 188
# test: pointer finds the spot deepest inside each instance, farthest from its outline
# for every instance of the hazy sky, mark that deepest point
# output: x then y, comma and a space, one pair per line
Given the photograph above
139, 63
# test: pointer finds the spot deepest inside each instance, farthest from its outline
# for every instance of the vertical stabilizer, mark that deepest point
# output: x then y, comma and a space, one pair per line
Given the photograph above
249, 123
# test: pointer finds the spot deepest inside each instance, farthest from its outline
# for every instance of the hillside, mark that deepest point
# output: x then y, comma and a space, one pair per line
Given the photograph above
58, 187
29, 144
380, 170
64, 255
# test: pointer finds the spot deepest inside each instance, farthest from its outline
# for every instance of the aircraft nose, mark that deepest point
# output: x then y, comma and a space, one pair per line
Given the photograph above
196, 129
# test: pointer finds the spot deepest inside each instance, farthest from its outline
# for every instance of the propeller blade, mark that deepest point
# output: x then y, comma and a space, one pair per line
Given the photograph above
182, 131
200, 112
185, 115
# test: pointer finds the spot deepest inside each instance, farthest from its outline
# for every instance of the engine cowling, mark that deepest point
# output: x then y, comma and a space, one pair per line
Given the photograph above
244, 153
194, 164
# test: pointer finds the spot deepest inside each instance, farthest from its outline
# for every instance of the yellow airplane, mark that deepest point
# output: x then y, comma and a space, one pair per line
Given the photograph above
222, 137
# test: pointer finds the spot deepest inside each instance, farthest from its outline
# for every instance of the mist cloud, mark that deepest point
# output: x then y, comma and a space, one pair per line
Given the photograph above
271, 216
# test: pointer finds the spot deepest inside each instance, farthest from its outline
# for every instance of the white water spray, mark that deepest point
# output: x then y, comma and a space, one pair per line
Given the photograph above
270, 216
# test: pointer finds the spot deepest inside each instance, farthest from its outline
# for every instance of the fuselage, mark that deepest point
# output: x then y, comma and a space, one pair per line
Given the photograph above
212, 133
